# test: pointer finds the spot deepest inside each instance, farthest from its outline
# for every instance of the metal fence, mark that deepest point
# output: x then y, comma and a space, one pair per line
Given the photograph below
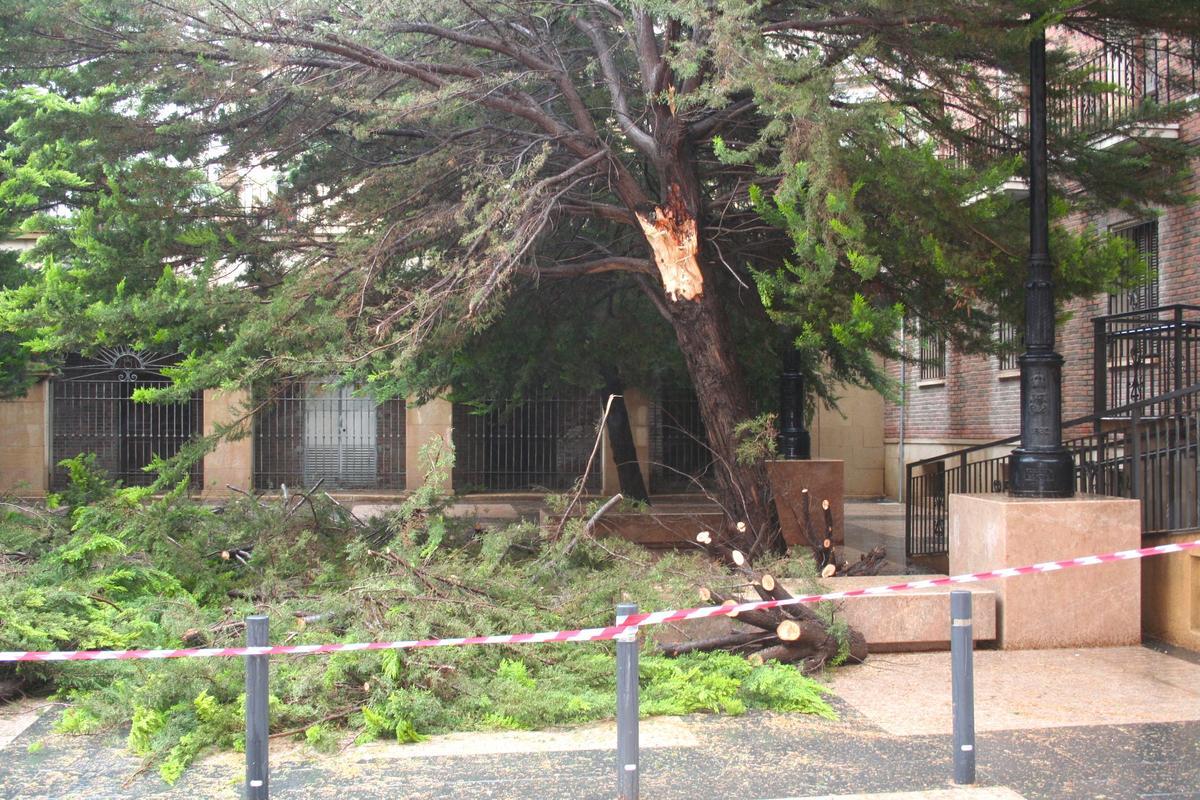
1131, 454
1141, 354
542, 443
680, 458
1123, 77
309, 433
92, 411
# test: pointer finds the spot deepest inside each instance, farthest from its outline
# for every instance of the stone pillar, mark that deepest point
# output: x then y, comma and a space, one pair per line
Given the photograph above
25, 446
1095, 606
421, 424
231, 462
637, 406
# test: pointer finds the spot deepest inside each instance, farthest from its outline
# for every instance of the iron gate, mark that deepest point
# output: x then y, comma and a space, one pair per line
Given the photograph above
310, 432
92, 411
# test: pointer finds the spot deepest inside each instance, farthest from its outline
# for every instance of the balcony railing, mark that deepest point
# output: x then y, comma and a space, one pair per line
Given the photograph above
1145, 353
1120, 82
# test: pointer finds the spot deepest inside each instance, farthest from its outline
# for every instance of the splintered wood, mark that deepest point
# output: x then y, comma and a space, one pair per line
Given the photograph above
674, 238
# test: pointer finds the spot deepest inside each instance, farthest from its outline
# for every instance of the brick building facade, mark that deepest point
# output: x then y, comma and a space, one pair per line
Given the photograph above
977, 399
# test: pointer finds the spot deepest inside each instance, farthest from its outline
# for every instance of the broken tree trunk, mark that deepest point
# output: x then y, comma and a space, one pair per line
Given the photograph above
734, 643
791, 634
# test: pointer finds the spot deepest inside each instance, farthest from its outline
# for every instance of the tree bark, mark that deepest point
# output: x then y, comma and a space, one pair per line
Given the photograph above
675, 234
620, 440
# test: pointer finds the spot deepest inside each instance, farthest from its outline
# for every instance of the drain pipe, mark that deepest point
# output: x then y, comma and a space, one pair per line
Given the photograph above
900, 475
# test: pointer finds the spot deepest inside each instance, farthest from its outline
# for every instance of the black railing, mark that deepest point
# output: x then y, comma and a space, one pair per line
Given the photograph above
1142, 354
1125, 77
680, 458
1135, 451
1121, 81
542, 443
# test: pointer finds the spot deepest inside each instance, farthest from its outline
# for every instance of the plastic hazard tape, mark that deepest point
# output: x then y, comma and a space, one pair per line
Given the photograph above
623, 624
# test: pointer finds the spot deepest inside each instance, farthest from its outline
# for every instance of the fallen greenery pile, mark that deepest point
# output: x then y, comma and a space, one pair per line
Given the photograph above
128, 568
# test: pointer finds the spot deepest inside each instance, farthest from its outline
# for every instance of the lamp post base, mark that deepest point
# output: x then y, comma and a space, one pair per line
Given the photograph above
1040, 473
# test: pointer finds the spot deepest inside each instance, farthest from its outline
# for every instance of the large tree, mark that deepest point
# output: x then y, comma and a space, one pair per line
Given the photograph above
436, 157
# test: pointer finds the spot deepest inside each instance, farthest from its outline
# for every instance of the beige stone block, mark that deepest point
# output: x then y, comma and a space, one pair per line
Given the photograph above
424, 422
911, 620
1171, 593
23, 470
824, 479
1085, 607
24, 456
231, 462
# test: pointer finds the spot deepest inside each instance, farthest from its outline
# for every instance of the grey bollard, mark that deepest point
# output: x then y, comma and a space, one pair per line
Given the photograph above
627, 709
257, 784
962, 675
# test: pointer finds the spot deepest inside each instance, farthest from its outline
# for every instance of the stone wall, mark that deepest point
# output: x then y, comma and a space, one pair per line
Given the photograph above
853, 434
231, 462
25, 421
1171, 593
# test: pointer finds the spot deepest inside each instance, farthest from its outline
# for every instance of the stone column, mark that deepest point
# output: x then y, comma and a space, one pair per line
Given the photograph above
25, 446
421, 424
231, 462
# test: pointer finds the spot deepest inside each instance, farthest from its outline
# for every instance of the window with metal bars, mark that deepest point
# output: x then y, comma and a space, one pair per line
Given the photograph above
1142, 294
542, 443
1008, 339
92, 411
680, 458
931, 352
310, 433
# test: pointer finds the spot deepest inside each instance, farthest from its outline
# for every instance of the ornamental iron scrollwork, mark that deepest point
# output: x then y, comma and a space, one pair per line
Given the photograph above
119, 364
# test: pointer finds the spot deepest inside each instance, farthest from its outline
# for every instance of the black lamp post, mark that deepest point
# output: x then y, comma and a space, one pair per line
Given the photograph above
794, 441
1041, 466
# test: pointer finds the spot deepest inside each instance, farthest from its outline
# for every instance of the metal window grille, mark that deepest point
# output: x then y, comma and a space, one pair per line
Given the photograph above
92, 411
1142, 294
542, 443
310, 432
680, 458
932, 356
1008, 338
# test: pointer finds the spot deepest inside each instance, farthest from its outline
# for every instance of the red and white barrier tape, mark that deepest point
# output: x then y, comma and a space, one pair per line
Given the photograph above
623, 624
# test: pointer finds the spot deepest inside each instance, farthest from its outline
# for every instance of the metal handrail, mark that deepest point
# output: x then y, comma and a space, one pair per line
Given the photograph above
1071, 423
1145, 312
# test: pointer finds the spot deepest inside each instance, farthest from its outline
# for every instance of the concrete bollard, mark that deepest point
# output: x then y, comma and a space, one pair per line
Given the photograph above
627, 708
257, 783
962, 677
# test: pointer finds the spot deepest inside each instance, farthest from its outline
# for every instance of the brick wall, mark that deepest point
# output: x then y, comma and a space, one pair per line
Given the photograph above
978, 402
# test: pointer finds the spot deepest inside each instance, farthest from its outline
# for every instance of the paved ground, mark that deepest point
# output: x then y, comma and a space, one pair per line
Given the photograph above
892, 737
869, 523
